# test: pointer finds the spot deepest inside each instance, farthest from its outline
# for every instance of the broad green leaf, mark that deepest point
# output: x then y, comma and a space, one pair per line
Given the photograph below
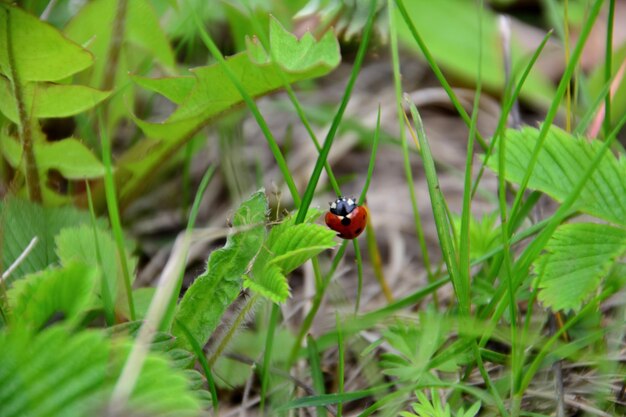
39, 297
68, 156
63, 374
41, 53
450, 30
207, 299
22, 221
58, 100
270, 283
214, 93
561, 162
292, 245
577, 257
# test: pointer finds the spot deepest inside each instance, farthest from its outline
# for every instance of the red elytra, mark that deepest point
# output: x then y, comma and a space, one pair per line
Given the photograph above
346, 218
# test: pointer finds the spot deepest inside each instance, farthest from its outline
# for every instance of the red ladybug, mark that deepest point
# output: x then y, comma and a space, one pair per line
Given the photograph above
346, 218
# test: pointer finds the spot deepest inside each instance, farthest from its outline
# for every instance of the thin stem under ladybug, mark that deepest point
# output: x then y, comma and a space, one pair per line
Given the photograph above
359, 268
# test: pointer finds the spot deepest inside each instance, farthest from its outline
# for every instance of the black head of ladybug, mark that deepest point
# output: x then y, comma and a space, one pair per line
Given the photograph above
343, 206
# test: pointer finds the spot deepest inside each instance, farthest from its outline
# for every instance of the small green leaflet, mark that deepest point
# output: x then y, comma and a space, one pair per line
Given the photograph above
577, 257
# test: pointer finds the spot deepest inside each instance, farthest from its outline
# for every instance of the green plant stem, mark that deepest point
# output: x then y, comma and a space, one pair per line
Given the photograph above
419, 230
235, 325
114, 214
115, 47
25, 125
267, 354
317, 302
608, 66
307, 197
359, 269
340, 364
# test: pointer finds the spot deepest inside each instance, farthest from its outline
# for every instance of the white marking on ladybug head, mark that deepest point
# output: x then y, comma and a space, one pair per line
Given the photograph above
333, 205
350, 202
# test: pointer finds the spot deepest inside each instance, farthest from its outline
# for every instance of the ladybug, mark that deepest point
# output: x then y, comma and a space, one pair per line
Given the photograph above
346, 217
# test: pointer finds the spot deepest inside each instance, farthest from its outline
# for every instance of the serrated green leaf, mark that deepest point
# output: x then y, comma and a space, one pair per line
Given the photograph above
22, 221
287, 247
62, 373
207, 299
214, 93
79, 244
292, 245
270, 283
561, 162
41, 52
293, 54
59, 100
37, 298
578, 257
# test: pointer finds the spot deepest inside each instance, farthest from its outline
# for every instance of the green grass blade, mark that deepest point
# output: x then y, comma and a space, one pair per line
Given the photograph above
417, 220
316, 372
439, 211
307, 197
608, 65
509, 102
166, 323
466, 212
107, 299
340, 365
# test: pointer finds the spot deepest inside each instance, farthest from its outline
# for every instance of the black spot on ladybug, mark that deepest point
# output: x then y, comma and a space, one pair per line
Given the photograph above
359, 230
346, 221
